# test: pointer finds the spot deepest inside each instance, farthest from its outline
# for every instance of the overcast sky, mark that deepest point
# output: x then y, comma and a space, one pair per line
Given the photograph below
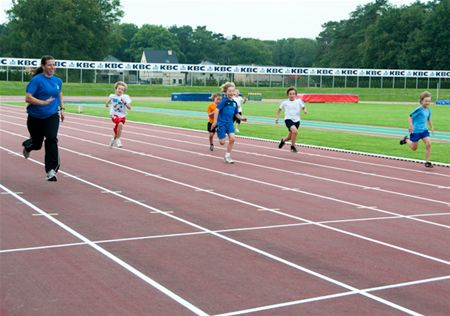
262, 19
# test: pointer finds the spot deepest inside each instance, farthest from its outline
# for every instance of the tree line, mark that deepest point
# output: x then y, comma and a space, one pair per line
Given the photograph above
376, 35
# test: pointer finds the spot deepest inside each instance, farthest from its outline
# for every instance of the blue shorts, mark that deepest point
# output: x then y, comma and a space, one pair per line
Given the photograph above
415, 137
224, 129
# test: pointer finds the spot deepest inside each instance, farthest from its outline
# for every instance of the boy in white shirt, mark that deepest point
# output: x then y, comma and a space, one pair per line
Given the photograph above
291, 108
120, 103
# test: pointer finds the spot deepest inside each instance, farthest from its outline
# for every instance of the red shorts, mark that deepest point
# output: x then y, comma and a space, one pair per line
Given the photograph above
118, 120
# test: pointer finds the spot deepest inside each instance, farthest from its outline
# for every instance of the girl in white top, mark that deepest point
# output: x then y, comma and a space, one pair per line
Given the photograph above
291, 108
120, 103
239, 100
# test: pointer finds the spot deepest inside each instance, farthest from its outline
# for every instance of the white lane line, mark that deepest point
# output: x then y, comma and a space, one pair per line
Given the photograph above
49, 214
275, 212
248, 179
228, 230
162, 129
278, 158
413, 196
332, 296
112, 257
224, 237
7, 193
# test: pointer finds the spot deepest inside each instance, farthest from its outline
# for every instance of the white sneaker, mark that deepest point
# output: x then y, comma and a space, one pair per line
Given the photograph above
118, 143
111, 143
236, 130
51, 176
228, 159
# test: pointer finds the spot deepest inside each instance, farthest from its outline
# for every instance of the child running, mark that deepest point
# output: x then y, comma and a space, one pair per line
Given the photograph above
418, 127
120, 103
216, 98
239, 100
291, 108
226, 110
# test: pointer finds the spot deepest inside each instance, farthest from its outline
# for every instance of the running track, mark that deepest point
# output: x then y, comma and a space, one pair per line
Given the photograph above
165, 227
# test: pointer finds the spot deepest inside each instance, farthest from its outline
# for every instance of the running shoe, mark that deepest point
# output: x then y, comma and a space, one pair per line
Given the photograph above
118, 143
228, 159
25, 153
26, 144
236, 130
403, 140
281, 144
294, 149
428, 164
51, 176
111, 143
211, 147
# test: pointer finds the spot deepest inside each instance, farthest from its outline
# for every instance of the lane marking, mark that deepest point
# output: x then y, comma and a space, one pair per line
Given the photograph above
331, 296
109, 255
228, 230
49, 214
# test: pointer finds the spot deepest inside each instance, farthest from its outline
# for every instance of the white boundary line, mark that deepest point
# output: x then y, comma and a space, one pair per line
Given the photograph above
110, 256
332, 296
230, 230
226, 238
261, 155
276, 141
273, 168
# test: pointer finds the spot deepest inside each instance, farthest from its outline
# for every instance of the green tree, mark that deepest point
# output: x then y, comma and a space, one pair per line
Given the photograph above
152, 37
184, 35
294, 52
391, 41
248, 51
435, 41
66, 29
341, 43
122, 35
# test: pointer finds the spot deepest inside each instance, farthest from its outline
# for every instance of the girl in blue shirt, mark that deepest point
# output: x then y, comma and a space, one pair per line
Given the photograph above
418, 120
45, 109
226, 110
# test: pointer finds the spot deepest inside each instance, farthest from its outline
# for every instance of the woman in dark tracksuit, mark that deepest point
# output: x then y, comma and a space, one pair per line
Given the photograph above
45, 109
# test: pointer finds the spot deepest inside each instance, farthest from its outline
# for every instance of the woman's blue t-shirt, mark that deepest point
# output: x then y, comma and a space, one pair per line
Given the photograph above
42, 88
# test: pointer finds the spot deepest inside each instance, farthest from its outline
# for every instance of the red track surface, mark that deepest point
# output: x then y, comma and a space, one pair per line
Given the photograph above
165, 227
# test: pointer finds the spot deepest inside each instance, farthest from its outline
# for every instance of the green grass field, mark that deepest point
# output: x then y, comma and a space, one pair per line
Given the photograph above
391, 115
92, 89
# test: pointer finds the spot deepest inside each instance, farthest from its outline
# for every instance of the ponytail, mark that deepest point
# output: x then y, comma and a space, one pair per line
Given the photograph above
44, 60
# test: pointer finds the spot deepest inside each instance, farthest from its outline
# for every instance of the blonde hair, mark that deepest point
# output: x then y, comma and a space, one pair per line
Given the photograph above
424, 95
120, 83
227, 85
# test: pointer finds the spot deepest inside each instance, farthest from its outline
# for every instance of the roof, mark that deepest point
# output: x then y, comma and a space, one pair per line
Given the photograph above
111, 58
160, 56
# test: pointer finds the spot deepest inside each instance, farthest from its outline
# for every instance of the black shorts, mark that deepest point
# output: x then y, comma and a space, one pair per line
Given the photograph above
290, 123
209, 128
236, 119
